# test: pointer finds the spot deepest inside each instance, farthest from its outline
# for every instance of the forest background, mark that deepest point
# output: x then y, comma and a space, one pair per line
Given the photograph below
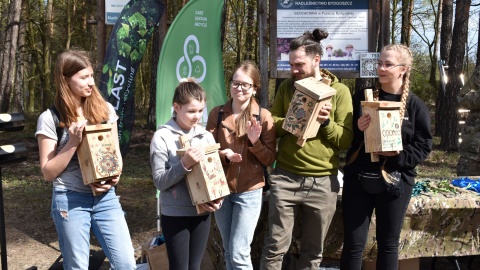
34, 32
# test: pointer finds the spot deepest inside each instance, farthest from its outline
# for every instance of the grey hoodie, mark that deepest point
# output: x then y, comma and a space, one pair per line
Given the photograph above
167, 170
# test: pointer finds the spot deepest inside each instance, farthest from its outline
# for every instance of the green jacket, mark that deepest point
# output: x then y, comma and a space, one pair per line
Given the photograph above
319, 155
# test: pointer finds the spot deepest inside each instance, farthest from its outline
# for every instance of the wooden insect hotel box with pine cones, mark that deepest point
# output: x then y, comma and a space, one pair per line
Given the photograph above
384, 131
206, 182
98, 155
307, 101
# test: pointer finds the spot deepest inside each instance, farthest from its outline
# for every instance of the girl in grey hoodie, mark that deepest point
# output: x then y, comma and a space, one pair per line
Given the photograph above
185, 232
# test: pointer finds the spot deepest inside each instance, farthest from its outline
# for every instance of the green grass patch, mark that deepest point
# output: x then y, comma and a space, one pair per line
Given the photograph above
439, 164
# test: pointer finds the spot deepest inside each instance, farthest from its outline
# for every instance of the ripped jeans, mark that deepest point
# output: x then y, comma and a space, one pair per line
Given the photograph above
76, 213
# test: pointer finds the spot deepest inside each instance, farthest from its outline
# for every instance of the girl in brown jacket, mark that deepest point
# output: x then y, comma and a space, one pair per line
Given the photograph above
246, 134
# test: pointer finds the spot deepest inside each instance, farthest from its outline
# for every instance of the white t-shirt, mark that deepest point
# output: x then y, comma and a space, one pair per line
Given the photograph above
71, 177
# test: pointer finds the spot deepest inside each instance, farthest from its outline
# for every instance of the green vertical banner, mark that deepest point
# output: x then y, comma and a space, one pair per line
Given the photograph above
192, 49
127, 44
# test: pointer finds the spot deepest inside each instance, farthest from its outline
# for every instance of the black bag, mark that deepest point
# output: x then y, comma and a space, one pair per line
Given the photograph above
375, 183
372, 183
393, 181
56, 119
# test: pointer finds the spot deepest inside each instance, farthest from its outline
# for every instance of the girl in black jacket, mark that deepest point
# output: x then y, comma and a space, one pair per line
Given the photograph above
358, 202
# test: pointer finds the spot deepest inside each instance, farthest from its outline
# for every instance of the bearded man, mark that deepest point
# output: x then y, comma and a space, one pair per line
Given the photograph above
305, 178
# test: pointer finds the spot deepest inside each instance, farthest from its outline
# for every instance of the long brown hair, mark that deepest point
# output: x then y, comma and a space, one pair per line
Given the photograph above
250, 69
94, 107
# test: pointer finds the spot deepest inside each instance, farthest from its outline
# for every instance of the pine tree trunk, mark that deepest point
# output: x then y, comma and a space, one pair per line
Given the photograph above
20, 85
7, 64
158, 38
436, 40
407, 11
69, 26
395, 12
478, 44
445, 46
449, 135
101, 37
48, 33
250, 36
33, 60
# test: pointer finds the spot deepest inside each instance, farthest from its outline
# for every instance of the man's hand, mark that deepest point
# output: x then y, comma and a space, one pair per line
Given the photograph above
324, 112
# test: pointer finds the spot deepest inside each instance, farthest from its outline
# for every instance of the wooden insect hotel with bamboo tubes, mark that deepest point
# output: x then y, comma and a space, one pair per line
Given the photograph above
384, 132
206, 182
98, 155
307, 101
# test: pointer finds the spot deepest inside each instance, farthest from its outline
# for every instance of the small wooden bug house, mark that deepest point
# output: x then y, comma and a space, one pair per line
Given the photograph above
206, 182
307, 101
97, 154
384, 131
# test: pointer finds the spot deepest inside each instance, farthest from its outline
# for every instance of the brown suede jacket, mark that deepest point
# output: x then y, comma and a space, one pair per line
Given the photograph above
248, 174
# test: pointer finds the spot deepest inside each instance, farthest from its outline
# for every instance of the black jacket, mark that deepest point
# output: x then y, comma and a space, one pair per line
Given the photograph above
416, 139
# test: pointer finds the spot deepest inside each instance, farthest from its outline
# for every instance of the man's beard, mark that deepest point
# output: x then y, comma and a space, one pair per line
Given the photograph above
303, 76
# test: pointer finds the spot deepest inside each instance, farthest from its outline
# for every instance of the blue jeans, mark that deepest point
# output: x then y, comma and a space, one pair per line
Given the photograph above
75, 213
236, 220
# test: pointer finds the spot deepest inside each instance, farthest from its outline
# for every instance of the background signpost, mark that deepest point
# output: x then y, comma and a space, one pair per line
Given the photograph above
113, 9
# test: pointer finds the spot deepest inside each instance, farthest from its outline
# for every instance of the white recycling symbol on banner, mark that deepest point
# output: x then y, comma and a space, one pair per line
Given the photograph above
185, 71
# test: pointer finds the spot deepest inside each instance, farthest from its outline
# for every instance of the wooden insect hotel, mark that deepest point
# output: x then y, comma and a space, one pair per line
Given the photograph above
206, 182
98, 155
307, 101
384, 131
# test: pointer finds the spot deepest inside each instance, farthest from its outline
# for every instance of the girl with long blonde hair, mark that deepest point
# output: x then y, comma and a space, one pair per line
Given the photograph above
365, 187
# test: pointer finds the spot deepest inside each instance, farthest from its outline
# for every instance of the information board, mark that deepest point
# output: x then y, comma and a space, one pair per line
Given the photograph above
113, 8
345, 21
